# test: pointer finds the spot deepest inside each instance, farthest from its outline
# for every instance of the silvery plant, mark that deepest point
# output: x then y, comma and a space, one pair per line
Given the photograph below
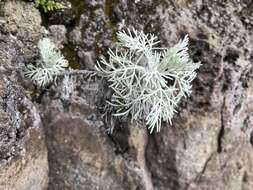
50, 64
147, 82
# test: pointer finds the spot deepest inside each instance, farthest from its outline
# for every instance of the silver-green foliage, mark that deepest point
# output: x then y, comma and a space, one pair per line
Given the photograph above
148, 82
50, 64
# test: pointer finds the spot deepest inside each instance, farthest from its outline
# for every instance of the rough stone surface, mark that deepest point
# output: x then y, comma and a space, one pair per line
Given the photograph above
23, 22
94, 31
209, 145
58, 34
23, 152
86, 157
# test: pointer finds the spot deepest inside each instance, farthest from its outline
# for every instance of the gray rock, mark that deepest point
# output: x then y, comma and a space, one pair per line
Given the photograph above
58, 34
208, 145
87, 58
93, 32
23, 21
85, 158
23, 152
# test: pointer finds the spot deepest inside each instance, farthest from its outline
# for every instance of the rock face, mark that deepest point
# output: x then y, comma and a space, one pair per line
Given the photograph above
209, 145
85, 158
23, 152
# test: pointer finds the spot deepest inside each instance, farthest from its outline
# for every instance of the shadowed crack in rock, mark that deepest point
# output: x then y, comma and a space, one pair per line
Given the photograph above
221, 132
198, 176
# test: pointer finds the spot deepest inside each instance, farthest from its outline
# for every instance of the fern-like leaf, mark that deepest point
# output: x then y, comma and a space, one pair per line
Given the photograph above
48, 5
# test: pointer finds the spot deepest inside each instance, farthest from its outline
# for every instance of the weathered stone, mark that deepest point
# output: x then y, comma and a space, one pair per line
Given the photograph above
23, 22
23, 152
93, 32
214, 124
85, 158
209, 143
58, 34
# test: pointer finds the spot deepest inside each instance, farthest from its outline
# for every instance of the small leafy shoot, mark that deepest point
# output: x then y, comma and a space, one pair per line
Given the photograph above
50, 64
148, 82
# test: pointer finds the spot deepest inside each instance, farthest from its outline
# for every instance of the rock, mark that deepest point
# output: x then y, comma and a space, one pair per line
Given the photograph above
85, 158
23, 152
58, 34
23, 160
93, 32
209, 137
187, 155
138, 139
23, 22
87, 58
209, 143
